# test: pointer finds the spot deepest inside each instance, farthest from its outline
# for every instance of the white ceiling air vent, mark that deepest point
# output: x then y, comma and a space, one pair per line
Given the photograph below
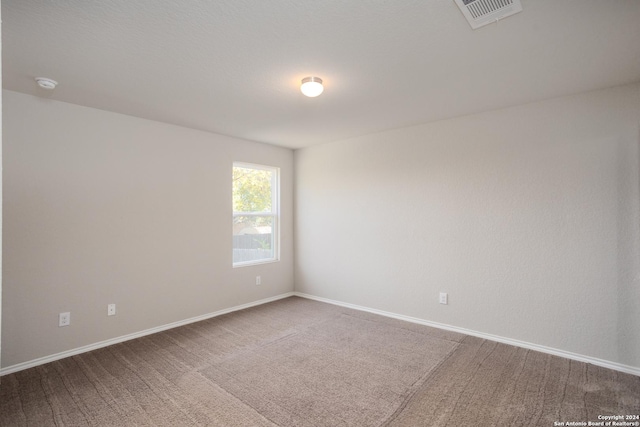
482, 12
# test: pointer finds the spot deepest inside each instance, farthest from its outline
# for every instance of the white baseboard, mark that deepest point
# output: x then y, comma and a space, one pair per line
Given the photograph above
543, 349
556, 352
95, 346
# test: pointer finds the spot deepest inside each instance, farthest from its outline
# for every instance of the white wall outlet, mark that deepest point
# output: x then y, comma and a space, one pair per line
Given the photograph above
258, 280
111, 310
64, 319
444, 298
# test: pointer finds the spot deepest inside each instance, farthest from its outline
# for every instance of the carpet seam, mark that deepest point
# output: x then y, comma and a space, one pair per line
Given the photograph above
417, 386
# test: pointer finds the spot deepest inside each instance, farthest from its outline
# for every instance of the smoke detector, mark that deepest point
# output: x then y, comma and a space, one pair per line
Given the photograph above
46, 83
483, 12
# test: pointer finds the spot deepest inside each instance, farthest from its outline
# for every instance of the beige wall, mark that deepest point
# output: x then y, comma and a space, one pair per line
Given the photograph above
105, 208
528, 217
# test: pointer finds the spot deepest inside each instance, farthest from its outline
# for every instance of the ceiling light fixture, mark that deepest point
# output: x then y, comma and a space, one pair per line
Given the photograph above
312, 86
46, 83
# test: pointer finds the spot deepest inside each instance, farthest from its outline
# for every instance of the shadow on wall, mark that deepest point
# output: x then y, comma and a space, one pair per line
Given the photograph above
628, 251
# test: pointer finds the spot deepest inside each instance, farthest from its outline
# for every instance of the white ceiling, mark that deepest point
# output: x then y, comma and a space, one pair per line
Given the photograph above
233, 66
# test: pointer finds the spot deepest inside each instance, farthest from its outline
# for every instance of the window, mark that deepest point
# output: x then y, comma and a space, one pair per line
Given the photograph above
255, 214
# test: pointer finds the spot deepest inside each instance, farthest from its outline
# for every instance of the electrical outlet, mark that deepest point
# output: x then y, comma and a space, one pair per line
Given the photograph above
444, 298
64, 319
111, 310
258, 280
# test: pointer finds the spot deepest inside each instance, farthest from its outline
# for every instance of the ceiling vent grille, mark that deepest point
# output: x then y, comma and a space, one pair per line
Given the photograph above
482, 12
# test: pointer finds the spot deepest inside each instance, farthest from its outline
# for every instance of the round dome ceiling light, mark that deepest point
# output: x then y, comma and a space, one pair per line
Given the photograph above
312, 86
46, 83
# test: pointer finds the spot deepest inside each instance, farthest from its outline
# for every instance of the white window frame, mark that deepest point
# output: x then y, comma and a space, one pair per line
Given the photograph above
275, 212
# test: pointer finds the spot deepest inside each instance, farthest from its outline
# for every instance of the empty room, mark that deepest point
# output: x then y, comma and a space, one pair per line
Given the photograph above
320, 213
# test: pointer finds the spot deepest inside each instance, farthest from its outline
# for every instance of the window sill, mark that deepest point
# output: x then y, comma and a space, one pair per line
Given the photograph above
250, 263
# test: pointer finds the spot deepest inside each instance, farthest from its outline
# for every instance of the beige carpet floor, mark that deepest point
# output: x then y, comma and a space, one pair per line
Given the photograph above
297, 362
